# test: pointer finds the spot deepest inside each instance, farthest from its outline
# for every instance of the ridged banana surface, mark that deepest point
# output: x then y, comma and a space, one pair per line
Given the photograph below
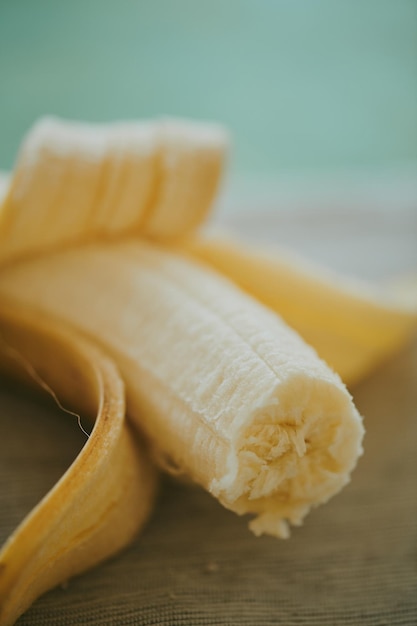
220, 384
74, 182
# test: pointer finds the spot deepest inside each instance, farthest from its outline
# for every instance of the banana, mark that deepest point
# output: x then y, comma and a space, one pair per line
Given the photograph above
223, 389
220, 385
75, 182
106, 495
352, 325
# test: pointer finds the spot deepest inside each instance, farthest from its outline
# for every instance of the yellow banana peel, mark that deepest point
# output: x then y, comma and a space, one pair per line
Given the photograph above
106, 495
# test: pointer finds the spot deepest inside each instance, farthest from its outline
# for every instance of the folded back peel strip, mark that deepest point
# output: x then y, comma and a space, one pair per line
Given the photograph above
106, 495
97, 230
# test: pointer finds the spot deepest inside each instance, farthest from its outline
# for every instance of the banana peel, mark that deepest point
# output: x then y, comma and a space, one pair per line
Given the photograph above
106, 495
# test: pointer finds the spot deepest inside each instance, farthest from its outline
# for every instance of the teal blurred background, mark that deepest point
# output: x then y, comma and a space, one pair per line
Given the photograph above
304, 85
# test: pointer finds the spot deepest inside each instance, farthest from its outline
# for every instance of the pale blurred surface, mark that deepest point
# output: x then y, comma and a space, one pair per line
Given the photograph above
359, 240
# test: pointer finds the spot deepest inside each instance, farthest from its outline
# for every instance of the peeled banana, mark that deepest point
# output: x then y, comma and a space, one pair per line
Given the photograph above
106, 495
219, 384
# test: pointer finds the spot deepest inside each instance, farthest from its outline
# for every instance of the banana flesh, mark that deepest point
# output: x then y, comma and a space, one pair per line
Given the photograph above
76, 182
106, 495
220, 384
353, 326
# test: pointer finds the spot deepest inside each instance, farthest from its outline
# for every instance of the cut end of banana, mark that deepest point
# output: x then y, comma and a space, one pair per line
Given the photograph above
292, 455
